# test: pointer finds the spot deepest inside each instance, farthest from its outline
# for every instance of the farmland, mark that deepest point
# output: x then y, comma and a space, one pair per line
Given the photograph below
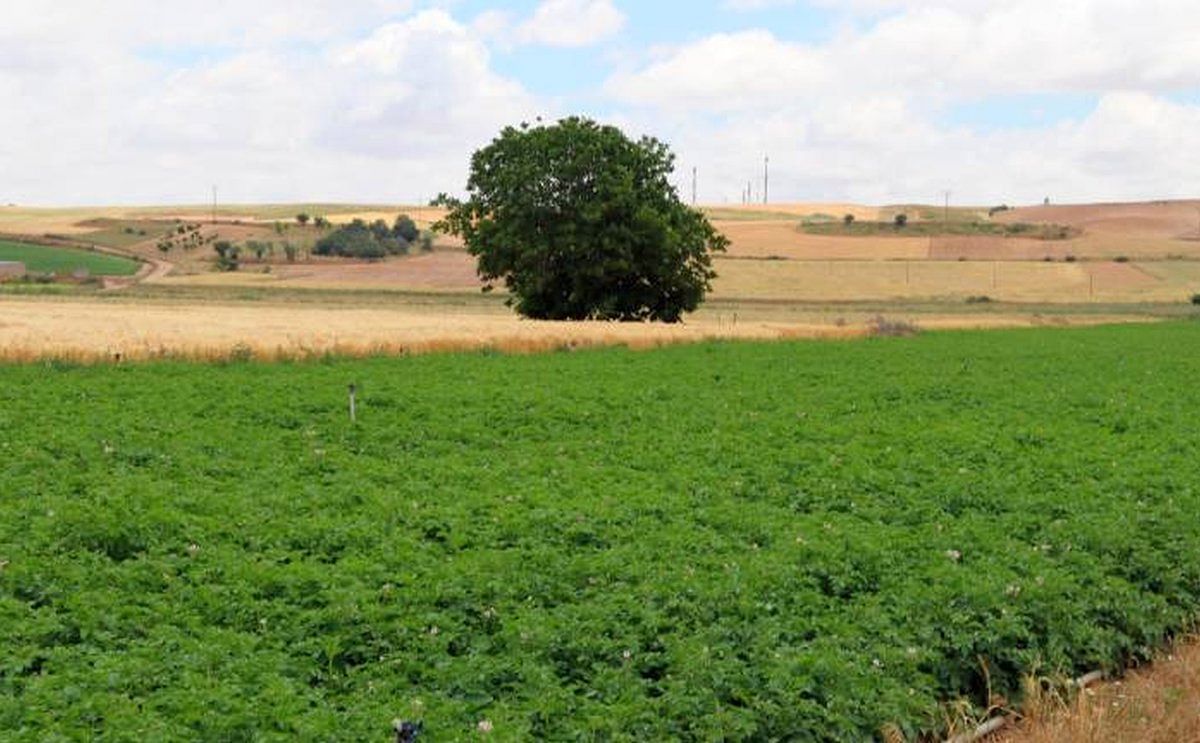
43, 259
747, 541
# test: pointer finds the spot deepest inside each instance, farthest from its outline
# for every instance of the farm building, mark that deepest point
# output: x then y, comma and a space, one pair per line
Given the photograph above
11, 268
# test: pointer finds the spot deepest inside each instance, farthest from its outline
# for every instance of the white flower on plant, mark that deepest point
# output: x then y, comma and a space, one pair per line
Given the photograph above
484, 726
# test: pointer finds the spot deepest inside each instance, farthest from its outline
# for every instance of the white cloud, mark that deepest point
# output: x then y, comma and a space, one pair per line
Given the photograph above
571, 23
862, 114
287, 104
378, 99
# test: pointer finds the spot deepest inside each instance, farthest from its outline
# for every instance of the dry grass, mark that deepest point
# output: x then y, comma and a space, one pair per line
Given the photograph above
1156, 704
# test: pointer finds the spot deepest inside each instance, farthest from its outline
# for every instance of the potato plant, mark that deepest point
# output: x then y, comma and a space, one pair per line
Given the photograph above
800, 541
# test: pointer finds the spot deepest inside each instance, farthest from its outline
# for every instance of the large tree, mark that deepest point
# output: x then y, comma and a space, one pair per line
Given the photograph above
581, 222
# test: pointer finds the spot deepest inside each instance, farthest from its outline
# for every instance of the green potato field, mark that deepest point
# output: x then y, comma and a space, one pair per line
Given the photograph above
44, 259
728, 541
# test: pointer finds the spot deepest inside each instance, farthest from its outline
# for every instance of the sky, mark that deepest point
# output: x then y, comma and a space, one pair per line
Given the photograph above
871, 101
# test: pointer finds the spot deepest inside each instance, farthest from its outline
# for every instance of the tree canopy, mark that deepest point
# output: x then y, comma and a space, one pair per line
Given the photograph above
581, 222
372, 241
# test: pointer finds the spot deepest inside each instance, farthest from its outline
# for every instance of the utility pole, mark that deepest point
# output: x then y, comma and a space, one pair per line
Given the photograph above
946, 214
766, 179
693, 186
214, 209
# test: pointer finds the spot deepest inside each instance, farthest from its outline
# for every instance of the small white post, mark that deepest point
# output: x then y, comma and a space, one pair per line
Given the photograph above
353, 411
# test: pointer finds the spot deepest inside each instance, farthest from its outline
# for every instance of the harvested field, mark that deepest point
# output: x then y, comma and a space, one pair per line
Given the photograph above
744, 278
446, 271
783, 239
1002, 281
798, 211
1141, 230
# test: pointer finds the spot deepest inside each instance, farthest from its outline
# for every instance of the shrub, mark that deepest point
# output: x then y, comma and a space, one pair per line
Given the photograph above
981, 299
302, 218
1196, 299
1121, 259
355, 240
406, 228
883, 327
228, 255
848, 220
1070, 259
900, 221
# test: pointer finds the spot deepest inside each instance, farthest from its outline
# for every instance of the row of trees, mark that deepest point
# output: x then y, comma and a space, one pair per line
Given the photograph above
320, 222
375, 240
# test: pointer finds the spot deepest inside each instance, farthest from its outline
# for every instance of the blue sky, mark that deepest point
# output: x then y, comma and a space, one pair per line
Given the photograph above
361, 100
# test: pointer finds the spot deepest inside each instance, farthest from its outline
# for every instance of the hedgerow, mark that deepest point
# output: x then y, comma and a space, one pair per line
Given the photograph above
725, 541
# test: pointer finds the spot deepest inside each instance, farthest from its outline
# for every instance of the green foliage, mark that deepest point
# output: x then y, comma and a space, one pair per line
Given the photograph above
406, 229
361, 240
228, 255
848, 220
1196, 299
215, 553
320, 222
302, 218
56, 260
580, 222
900, 221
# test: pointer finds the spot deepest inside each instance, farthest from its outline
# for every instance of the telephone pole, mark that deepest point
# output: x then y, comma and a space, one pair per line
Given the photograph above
946, 214
214, 209
766, 179
693, 186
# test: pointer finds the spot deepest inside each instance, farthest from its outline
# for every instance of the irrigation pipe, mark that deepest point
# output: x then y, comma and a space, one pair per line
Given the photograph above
996, 724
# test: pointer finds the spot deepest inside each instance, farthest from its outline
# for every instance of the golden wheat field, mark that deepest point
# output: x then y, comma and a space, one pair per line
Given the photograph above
95, 330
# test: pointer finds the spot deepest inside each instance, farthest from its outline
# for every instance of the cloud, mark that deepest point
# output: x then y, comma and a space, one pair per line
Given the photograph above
571, 23
287, 104
864, 114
